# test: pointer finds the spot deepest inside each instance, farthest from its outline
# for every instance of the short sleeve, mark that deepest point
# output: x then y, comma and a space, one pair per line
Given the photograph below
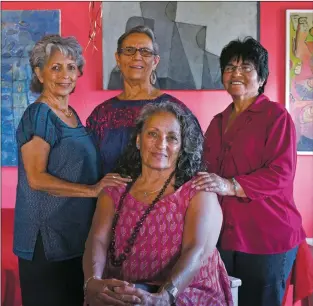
37, 120
93, 126
114, 193
191, 191
91, 121
186, 192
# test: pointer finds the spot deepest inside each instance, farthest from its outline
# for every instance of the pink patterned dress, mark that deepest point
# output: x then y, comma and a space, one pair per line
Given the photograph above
158, 247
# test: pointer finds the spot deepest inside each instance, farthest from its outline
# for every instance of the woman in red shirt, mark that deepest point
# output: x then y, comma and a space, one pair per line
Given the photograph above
250, 152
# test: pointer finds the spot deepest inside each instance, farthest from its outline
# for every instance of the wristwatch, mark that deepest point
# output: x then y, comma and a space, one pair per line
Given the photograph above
172, 291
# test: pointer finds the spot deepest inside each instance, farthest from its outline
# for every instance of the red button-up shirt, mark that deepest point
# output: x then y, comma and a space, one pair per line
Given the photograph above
259, 150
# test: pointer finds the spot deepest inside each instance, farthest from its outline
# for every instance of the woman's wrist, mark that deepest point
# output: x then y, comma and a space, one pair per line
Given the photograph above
165, 297
169, 292
91, 191
231, 187
88, 281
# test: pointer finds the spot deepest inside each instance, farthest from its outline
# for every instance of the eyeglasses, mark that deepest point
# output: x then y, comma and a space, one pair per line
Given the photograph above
129, 51
242, 69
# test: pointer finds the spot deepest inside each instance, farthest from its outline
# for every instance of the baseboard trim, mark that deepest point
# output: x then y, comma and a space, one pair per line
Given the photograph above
309, 241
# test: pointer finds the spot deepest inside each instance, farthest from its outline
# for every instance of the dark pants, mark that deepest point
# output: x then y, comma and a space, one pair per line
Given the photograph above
45, 283
263, 276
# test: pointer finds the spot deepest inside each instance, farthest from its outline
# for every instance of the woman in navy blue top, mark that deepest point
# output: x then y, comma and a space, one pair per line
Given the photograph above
58, 180
113, 121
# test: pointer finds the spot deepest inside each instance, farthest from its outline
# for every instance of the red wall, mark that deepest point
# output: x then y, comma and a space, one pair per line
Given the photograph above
89, 93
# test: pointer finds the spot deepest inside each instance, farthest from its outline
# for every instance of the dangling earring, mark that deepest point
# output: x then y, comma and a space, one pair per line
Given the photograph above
137, 146
153, 77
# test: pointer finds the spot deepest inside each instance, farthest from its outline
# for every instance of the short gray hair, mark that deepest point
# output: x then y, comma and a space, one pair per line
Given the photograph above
141, 29
45, 47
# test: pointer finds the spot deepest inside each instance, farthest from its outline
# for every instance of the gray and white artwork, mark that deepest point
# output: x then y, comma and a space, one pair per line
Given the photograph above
190, 35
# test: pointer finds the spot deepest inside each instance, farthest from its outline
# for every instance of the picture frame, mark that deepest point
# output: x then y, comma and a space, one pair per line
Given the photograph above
190, 36
299, 76
20, 30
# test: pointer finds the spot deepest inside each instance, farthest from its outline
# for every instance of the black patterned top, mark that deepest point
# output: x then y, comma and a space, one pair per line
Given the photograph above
63, 222
112, 123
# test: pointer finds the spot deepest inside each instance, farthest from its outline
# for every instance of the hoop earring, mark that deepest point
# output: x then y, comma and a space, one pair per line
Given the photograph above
153, 77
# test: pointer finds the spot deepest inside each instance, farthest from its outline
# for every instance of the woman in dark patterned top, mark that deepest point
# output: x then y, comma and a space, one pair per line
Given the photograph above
58, 180
113, 121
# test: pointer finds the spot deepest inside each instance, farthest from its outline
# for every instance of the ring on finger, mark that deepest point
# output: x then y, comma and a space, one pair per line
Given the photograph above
114, 176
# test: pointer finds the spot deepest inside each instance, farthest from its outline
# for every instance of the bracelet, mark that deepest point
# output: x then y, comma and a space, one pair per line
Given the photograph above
87, 281
235, 185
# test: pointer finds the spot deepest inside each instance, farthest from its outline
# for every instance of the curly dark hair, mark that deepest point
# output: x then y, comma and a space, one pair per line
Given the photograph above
249, 50
190, 156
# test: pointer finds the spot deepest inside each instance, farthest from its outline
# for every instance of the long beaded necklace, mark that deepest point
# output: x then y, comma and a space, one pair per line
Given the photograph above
118, 261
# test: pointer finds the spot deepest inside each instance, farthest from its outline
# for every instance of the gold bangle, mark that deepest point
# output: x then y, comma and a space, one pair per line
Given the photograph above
87, 281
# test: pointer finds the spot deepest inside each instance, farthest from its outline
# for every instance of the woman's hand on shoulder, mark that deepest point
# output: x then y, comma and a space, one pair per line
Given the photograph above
147, 298
103, 292
109, 180
213, 183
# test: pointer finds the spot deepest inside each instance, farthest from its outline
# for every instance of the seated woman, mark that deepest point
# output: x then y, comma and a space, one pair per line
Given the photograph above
157, 230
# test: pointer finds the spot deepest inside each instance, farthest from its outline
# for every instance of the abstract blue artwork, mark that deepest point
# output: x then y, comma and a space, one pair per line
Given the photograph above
20, 30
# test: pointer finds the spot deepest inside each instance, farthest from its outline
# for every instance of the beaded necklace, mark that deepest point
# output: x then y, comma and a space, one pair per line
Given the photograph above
118, 261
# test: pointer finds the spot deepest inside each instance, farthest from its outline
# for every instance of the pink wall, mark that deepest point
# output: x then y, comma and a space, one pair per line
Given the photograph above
204, 103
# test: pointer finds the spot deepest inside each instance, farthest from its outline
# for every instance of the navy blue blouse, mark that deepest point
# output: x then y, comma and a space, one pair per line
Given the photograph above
63, 222
112, 123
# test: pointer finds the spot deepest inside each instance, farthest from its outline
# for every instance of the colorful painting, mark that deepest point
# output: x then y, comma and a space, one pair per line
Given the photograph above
190, 35
20, 30
299, 82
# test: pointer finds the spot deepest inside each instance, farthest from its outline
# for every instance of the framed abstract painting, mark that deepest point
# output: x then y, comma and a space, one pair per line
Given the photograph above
299, 76
190, 36
20, 30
